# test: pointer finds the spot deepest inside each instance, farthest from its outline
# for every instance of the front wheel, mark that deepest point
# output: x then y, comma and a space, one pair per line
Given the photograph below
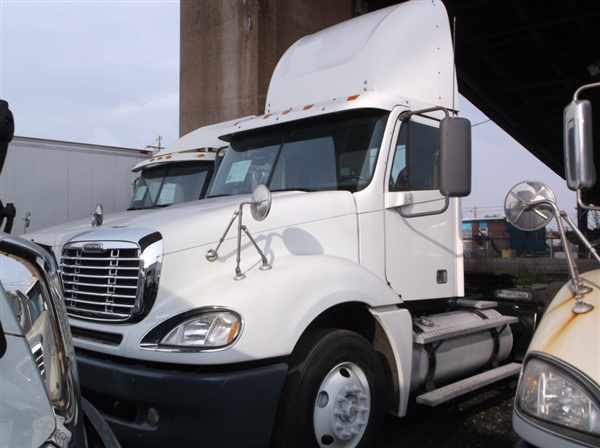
333, 397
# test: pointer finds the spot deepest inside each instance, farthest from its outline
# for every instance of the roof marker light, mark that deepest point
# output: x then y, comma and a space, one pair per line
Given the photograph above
266, 116
285, 112
308, 106
352, 97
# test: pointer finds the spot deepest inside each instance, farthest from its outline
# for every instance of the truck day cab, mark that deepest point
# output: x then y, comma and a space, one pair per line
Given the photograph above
178, 174
338, 299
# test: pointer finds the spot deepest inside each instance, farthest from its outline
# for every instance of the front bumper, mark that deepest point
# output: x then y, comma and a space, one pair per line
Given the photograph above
538, 436
160, 405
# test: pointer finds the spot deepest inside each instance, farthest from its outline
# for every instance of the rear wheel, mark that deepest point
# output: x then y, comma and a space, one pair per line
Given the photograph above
333, 397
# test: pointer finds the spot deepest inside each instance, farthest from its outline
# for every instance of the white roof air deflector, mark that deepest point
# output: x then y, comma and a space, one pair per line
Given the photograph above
198, 145
400, 55
404, 51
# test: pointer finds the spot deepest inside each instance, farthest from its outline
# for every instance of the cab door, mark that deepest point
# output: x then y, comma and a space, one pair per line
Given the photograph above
423, 253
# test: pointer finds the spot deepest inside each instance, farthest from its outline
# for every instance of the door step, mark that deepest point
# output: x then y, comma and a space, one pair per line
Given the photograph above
435, 334
463, 387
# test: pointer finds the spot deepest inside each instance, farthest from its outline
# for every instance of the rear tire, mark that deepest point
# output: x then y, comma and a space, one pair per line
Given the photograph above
334, 393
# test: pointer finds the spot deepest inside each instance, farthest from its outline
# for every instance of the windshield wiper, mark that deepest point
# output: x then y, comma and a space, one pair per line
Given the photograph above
149, 207
218, 195
308, 190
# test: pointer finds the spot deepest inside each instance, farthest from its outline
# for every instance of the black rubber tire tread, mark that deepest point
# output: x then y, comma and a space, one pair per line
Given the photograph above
314, 357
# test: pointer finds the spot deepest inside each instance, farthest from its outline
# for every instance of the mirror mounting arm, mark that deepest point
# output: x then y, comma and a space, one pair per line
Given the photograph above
583, 205
213, 254
239, 275
439, 211
581, 237
577, 286
584, 87
405, 115
265, 263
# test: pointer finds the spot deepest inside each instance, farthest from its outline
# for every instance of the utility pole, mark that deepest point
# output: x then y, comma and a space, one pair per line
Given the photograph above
158, 145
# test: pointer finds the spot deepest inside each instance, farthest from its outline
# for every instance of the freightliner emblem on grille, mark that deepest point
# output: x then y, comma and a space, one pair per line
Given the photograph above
93, 247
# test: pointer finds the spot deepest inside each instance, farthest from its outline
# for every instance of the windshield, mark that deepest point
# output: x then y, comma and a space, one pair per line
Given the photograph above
335, 152
170, 184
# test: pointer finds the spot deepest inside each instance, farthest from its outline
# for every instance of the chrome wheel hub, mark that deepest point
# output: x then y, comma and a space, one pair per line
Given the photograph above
342, 407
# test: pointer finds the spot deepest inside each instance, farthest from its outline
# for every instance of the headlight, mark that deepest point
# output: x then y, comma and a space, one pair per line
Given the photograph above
202, 330
552, 394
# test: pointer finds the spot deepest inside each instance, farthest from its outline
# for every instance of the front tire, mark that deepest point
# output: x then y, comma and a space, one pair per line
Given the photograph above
333, 397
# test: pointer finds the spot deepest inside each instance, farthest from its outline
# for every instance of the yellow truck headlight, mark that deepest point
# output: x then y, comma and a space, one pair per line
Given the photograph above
551, 393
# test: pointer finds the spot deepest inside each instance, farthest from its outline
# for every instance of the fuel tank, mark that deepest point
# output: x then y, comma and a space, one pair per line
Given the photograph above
458, 357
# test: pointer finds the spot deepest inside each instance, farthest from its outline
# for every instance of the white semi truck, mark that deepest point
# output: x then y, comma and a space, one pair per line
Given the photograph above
175, 175
182, 172
320, 283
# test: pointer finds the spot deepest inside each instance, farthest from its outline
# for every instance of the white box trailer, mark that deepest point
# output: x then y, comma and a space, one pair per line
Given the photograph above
54, 181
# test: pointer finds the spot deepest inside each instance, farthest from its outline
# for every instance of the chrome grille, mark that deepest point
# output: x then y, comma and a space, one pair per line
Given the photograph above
101, 280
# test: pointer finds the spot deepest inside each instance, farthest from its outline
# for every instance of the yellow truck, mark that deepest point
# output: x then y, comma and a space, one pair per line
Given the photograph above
558, 397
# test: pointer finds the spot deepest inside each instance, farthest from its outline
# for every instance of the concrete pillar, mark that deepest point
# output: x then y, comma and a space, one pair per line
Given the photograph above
229, 49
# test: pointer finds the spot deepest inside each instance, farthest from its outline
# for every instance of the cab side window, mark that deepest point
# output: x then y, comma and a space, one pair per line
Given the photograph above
415, 165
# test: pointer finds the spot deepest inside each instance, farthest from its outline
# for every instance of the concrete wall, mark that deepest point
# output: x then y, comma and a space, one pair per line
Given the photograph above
229, 49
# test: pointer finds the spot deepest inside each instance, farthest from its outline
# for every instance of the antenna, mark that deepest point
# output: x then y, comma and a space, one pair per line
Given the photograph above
158, 146
454, 63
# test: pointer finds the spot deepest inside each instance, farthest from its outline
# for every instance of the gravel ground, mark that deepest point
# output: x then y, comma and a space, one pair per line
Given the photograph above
483, 420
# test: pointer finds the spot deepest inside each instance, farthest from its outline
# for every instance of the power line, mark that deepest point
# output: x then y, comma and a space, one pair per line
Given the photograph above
481, 122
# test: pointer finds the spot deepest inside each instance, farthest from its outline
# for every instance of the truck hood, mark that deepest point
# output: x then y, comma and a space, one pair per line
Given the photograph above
199, 223
572, 338
56, 236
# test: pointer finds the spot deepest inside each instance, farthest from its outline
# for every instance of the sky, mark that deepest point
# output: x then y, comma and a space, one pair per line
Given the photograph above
107, 72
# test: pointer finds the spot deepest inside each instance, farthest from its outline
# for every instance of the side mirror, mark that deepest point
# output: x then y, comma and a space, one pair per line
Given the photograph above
580, 171
529, 206
98, 216
218, 159
455, 157
32, 306
7, 130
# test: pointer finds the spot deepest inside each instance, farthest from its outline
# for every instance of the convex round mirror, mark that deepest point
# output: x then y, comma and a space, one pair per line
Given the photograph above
261, 202
527, 205
98, 216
